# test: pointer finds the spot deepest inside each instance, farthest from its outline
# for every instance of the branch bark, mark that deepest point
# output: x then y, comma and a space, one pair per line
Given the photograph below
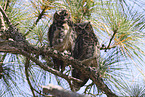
19, 48
60, 92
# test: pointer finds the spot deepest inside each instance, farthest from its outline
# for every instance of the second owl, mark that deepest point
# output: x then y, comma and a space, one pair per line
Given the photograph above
86, 50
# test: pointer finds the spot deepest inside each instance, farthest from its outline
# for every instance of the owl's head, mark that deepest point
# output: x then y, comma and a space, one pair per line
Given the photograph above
61, 16
83, 28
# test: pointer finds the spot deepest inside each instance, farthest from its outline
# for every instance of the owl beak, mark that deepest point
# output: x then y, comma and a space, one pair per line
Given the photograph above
65, 19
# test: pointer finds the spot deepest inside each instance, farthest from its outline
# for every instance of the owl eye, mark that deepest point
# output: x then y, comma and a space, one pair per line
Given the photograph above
56, 16
88, 26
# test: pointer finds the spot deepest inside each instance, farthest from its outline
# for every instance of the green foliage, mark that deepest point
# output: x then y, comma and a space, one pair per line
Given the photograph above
117, 65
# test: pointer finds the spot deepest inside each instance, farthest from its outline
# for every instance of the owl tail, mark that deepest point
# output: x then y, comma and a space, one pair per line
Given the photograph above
79, 75
58, 64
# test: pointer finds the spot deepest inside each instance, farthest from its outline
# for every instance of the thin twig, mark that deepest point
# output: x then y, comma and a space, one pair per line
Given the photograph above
115, 31
105, 48
27, 63
37, 20
1, 63
88, 87
6, 5
6, 17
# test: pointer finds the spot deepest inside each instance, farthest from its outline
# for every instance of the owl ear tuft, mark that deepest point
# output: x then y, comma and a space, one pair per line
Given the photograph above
75, 25
88, 24
56, 15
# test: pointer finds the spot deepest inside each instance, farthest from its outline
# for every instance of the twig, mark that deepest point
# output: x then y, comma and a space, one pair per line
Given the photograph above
1, 63
6, 5
88, 87
2, 23
115, 31
6, 17
27, 63
37, 20
105, 48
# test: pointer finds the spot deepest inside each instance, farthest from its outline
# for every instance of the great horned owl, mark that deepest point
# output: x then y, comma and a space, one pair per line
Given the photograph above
61, 36
86, 50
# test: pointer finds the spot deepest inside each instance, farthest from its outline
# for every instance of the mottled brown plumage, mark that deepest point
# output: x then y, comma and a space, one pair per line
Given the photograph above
86, 50
61, 36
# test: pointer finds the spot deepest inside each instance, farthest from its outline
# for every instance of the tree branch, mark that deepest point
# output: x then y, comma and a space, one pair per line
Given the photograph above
18, 48
2, 23
37, 20
108, 47
5, 17
94, 74
6, 5
1, 63
60, 92
27, 63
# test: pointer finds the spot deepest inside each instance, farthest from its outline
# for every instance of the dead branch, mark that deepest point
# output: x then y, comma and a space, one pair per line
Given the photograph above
60, 92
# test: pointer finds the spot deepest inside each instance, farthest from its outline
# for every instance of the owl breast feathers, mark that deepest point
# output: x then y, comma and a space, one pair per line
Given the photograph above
86, 47
61, 35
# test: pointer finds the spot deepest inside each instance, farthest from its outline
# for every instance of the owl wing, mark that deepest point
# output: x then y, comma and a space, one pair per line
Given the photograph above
79, 53
77, 50
51, 31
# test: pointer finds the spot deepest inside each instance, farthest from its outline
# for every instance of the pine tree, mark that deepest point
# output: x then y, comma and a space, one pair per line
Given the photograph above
26, 66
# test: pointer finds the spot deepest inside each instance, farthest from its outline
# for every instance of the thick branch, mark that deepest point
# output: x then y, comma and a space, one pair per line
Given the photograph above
60, 92
18, 48
94, 75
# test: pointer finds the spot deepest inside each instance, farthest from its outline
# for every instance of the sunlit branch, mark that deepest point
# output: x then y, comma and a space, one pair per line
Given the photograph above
27, 63
37, 20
